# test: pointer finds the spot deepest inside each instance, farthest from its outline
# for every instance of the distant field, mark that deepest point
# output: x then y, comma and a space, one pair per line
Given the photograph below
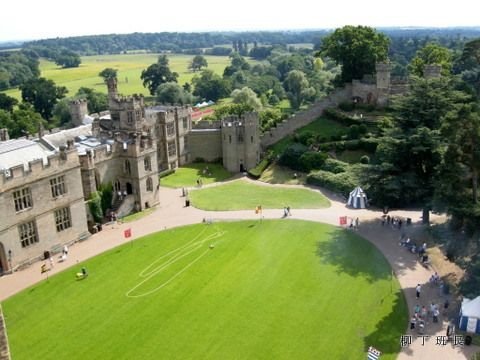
129, 67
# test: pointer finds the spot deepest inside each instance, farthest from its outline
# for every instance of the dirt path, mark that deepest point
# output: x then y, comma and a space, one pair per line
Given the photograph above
171, 213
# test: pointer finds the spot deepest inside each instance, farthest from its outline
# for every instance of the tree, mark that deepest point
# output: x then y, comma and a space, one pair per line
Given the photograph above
21, 122
173, 93
410, 154
210, 86
431, 54
43, 94
357, 49
198, 62
7, 102
157, 74
61, 113
108, 73
298, 89
96, 101
68, 59
246, 96
461, 127
468, 65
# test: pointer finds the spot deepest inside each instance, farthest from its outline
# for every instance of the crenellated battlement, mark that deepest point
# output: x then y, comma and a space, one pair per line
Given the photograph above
247, 119
17, 175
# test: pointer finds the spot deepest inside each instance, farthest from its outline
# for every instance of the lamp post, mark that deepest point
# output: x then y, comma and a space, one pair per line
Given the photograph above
10, 260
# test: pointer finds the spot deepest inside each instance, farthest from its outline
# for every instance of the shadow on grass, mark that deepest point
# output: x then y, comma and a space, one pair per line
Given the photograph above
387, 333
352, 255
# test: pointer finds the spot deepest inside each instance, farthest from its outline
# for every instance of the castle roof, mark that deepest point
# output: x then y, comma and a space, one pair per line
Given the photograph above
21, 151
60, 138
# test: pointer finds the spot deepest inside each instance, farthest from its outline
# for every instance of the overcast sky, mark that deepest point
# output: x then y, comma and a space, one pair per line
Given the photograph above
38, 19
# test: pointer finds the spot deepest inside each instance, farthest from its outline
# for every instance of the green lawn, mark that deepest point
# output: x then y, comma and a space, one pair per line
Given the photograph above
279, 289
187, 176
242, 195
324, 127
129, 67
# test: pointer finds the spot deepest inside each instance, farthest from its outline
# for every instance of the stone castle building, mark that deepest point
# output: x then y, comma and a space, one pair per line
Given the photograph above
46, 182
378, 89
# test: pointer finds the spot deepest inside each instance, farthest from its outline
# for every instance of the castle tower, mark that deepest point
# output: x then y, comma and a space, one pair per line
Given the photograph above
240, 142
112, 88
383, 82
78, 109
432, 71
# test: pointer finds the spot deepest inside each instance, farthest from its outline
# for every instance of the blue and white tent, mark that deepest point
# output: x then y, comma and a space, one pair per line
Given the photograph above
357, 199
470, 316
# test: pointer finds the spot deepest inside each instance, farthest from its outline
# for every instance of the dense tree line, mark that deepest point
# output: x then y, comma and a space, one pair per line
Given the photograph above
403, 40
17, 67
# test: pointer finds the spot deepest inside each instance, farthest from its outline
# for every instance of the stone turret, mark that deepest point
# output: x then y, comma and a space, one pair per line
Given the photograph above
432, 71
112, 88
78, 109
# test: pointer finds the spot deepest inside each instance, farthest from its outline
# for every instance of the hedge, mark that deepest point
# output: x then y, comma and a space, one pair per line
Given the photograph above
165, 173
341, 183
257, 171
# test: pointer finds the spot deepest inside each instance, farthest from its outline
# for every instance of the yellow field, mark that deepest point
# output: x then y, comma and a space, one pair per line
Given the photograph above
129, 68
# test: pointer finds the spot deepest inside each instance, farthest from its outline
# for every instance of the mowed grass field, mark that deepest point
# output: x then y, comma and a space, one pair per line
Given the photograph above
129, 67
188, 175
282, 289
243, 195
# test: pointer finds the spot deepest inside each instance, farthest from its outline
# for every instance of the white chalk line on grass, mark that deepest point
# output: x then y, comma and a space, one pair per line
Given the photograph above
151, 270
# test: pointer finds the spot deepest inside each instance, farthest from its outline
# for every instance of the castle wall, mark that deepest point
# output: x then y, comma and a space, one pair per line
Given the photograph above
305, 117
44, 205
205, 144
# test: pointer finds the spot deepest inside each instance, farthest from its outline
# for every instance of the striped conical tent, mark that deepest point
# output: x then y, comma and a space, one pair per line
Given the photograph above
357, 199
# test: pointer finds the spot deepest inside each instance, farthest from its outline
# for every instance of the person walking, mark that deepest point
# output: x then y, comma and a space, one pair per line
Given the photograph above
418, 289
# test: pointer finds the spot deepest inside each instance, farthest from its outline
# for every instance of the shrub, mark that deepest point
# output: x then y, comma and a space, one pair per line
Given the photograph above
369, 145
312, 160
95, 206
365, 159
334, 166
304, 138
106, 195
291, 155
339, 116
199, 160
346, 106
353, 132
341, 183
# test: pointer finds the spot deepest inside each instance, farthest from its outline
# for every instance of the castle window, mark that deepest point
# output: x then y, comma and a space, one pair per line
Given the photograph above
130, 117
57, 186
22, 199
229, 139
251, 139
127, 169
185, 123
138, 115
147, 163
28, 234
172, 150
149, 184
170, 129
63, 219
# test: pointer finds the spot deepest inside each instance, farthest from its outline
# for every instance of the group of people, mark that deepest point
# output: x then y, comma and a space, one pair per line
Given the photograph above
354, 223
422, 315
286, 211
395, 222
